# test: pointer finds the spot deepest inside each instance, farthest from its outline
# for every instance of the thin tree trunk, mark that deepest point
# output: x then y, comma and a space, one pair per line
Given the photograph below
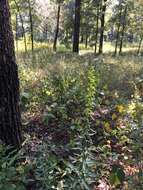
102, 28
22, 24
123, 30
118, 31
31, 25
16, 32
10, 123
139, 47
82, 38
76, 26
97, 29
117, 39
57, 28
86, 41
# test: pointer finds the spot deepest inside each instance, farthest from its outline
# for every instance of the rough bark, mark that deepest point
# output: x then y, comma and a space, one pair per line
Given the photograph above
10, 123
102, 20
76, 26
57, 28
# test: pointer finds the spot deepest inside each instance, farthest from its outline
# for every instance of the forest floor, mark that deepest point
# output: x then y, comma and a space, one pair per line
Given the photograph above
82, 119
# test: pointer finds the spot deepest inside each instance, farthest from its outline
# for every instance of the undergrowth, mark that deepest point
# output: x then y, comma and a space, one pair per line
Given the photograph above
82, 123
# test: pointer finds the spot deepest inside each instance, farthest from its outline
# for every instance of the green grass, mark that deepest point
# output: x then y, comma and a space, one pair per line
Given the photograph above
118, 73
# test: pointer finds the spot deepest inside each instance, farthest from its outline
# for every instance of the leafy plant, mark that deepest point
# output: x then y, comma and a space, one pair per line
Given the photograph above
13, 174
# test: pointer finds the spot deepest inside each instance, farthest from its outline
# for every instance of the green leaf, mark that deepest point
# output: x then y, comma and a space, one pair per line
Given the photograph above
114, 180
117, 175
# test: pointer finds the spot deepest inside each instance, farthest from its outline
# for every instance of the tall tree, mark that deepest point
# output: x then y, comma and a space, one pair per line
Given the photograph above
118, 29
10, 122
16, 32
57, 26
76, 26
102, 20
31, 24
123, 29
22, 23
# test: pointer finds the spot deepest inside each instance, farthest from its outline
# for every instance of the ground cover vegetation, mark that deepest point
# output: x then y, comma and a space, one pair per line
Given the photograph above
76, 119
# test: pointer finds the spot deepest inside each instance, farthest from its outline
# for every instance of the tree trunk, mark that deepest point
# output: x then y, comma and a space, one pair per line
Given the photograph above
22, 25
16, 32
139, 48
31, 24
123, 30
118, 31
82, 38
86, 41
10, 123
57, 28
102, 27
97, 29
117, 39
76, 26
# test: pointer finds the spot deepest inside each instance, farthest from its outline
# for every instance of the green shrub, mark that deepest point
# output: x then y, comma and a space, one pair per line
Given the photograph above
13, 173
